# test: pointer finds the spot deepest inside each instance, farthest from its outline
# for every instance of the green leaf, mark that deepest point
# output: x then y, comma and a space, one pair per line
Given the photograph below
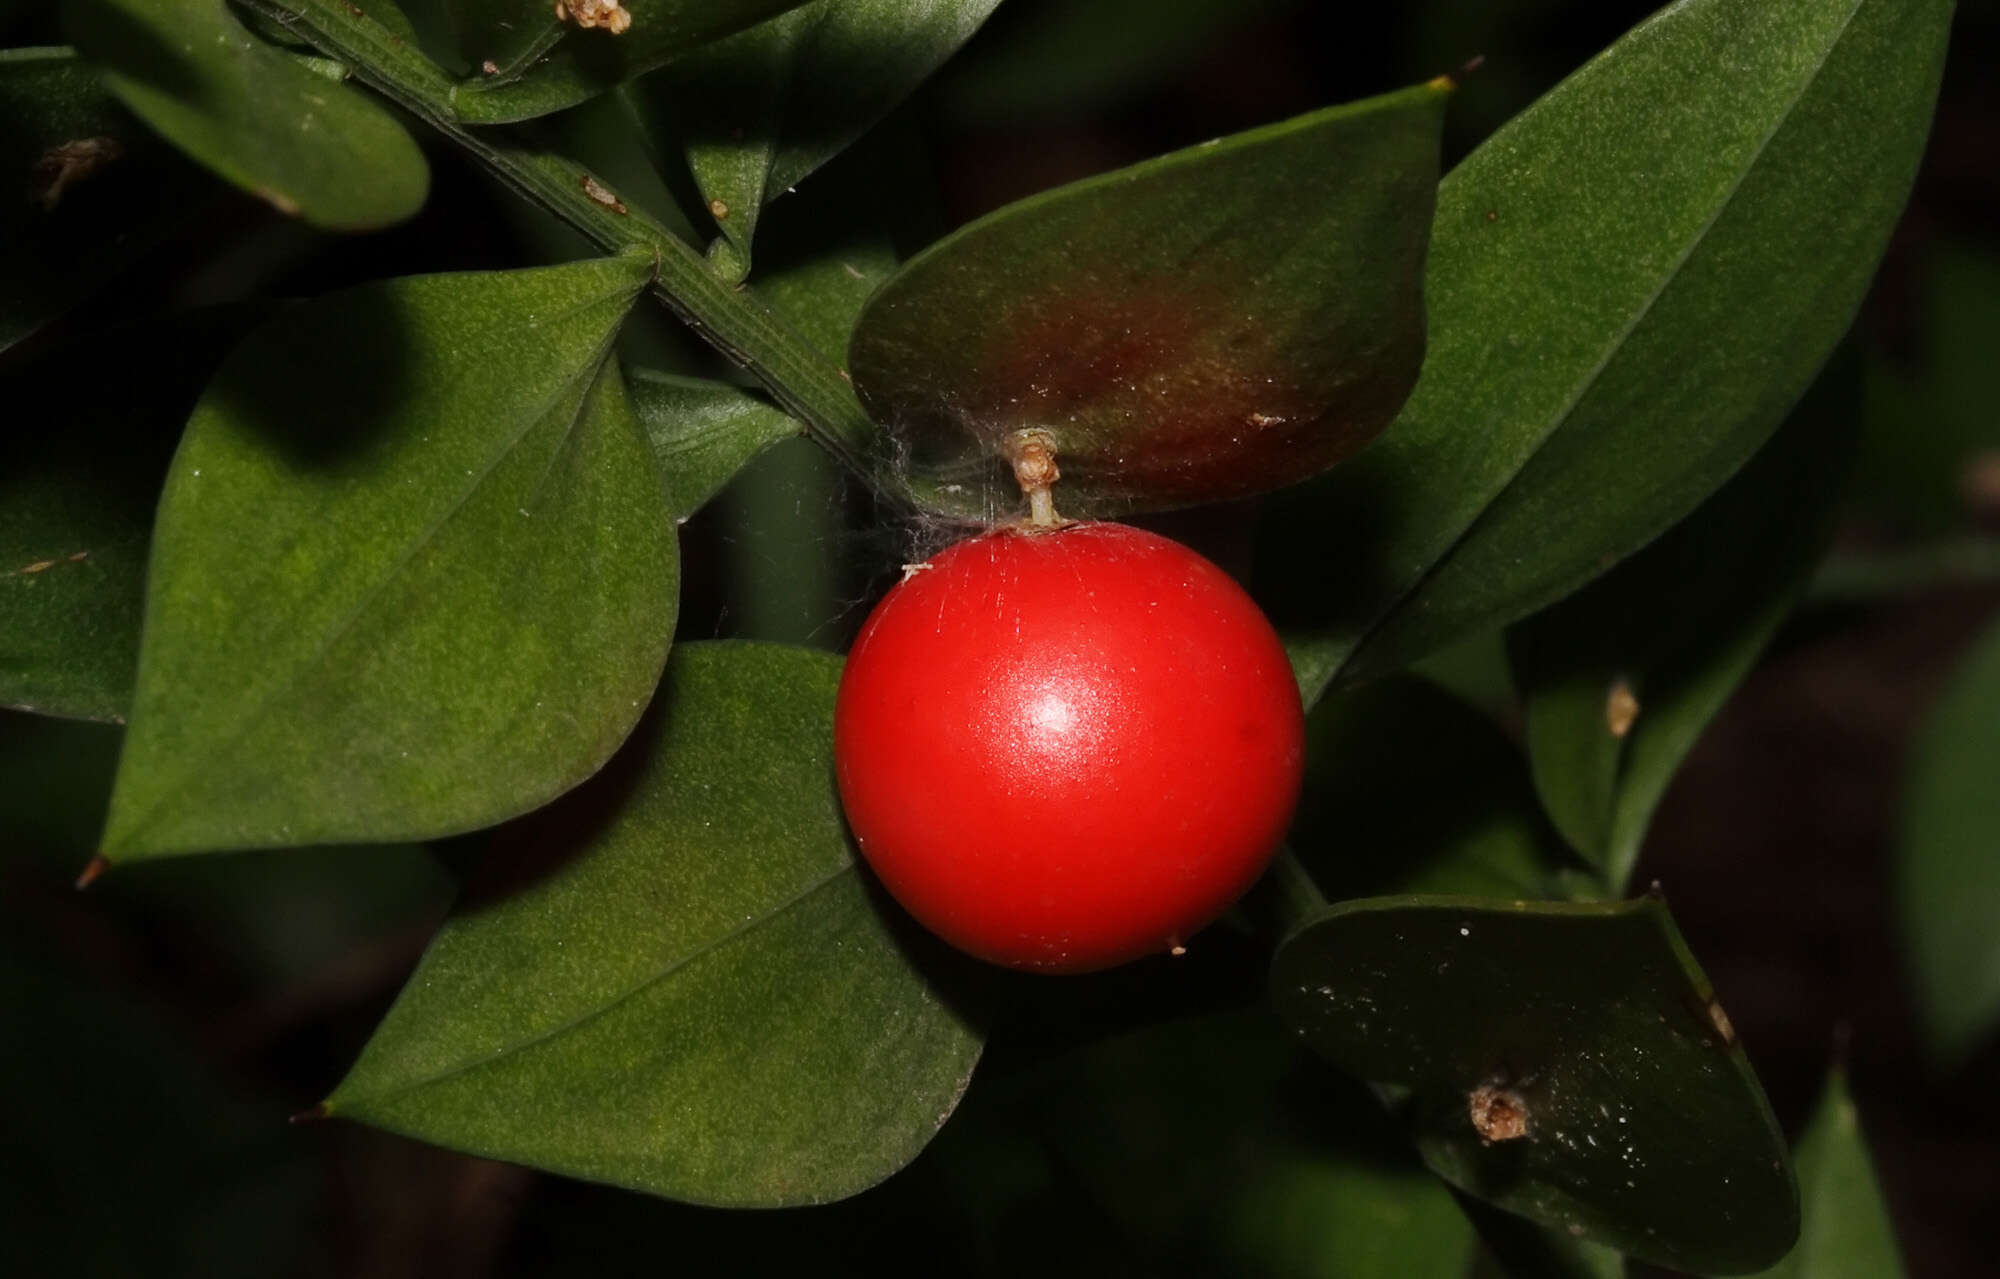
1948, 874
322, 151
101, 190
1053, 63
1645, 1128
1629, 286
1846, 1232
1208, 324
410, 574
704, 1001
540, 64
1410, 790
702, 433
1516, 1248
1621, 678
1213, 1146
767, 106
80, 473
820, 260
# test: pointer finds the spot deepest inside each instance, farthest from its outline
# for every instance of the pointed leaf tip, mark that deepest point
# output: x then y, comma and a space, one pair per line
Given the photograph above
311, 1114
91, 871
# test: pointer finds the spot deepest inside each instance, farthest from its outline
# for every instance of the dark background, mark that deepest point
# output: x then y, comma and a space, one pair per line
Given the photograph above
164, 1024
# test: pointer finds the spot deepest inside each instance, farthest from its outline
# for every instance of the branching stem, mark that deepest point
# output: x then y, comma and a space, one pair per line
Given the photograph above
801, 378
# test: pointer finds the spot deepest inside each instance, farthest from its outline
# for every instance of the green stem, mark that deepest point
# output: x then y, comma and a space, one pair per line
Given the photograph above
798, 376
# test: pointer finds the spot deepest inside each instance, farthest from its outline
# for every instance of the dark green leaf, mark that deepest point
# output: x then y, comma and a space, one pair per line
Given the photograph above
704, 1000
819, 260
1410, 790
702, 433
90, 188
1621, 678
1516, 1248
1845, 1232
410, 575
1214, 1146
1208, 324
530, 63
1610, 1098
1629, 286
80, 471
274, 920
767, 106
1947, 865
1055, 62
311, 147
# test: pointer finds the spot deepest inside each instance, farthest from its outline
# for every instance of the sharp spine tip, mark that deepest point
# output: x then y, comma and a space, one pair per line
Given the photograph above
97, 866
311, 1114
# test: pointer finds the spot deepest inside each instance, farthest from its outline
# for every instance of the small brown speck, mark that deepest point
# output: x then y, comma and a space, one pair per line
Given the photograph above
490, 67
279, 201
39, 566
1720, 1020
96, 867
1498, 1114
718, 209
1492, 215
1621, 708
601, 194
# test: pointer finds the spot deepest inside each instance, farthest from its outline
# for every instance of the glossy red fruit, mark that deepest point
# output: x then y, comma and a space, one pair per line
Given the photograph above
1062, 749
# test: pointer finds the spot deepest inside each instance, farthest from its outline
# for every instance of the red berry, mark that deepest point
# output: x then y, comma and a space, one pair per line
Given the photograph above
1062, 749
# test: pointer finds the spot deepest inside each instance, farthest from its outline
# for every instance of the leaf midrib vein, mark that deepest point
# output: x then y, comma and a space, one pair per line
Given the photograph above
604, 1009
1604, 362
254, 713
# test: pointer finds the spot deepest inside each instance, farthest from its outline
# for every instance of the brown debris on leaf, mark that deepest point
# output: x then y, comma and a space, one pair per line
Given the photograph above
605, 14
1621, 708
1498, 1114
64, 165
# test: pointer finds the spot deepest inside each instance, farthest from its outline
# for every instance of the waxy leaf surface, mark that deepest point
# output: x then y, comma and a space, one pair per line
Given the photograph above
1621, 677
309, 145
702, 432
1629, 285
1410, 790
1643, 1127
1212, 323
767, 106
1211, 1145
1948, 859
705, 998
1845, 1232
411, 574
539, 64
